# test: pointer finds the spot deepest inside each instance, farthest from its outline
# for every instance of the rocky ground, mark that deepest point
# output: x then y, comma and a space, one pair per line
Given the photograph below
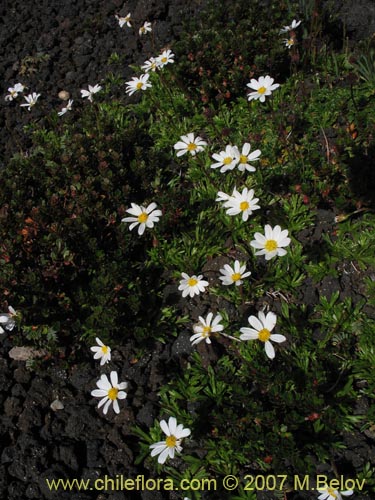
59, 45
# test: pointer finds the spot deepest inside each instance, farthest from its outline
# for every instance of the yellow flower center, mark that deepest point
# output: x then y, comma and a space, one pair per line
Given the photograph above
192, 281
270, 245
206, 331
331, 491
171, 441
290, 41
112, 393
236, 276
139, 85
261, 90
243, 159
244, 205
227, 160
104, 349
163, 59
191, 146
264, 335
142, 218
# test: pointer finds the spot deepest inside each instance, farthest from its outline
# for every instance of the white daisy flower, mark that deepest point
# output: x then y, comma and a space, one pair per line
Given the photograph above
270, 244
30, 100
234, 274
289, 42
227, 159
293, 26
166, 57
262, 87
145, 217
192, 285
189, 144
245, 157
124, 20
244, 202
92, 90
102, 352
110, 392
68, 107
205, 328
14, 91
136, 84
7, 320
150, 65
331, 494
146, 28
262, 327
175, 434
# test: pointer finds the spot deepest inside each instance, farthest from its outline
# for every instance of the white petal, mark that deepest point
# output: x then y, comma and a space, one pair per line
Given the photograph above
164, 427
270, 351
114, 378
163, 456
276, 337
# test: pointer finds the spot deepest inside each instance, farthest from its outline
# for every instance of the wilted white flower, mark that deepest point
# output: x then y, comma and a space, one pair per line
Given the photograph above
262, 87
175, 434
331, 494
270, 244
189, 144
124, 20
92, 90
102, 352
145, 28
136, 84
7, 320
166, 57
237, 203
289, 42
293, 26
110, 392
234, 274
31, 100
68, 107
261, 330
245, 157
150, 65
14, 91
205, 328
144, 217
227, 159
192, 285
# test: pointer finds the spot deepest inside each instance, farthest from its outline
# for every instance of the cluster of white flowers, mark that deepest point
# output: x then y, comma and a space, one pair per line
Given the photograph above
108, 390
291, 40
154, 63
127, 21
231, 157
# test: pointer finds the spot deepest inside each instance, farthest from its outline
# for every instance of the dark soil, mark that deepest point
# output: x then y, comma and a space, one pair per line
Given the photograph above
69, 43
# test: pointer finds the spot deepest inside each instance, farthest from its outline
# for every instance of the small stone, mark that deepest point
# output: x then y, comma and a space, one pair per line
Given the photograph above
56, 405
25, 353
64, 95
